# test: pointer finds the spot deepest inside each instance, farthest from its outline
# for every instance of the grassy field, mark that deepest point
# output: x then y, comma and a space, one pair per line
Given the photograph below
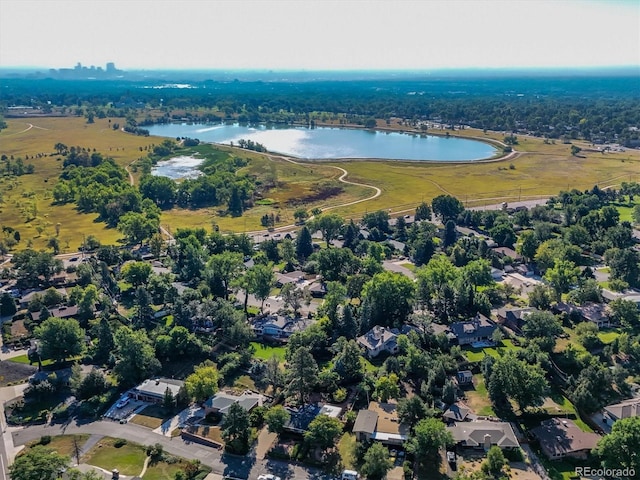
346, 447
477, 354
128, 458
265, 352
64, 444
478, 398
539, 170
151, 417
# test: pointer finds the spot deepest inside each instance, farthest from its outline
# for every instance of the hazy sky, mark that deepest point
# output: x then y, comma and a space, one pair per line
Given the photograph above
325, 34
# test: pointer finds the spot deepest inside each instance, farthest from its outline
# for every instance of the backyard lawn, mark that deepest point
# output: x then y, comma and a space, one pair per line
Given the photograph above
265, 352
346, 447
477, 354
478, 398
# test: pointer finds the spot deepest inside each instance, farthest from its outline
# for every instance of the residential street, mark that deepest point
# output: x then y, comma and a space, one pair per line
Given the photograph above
228, 465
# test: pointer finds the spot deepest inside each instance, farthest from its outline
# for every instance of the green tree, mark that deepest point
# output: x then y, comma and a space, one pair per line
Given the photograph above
335, 297
376, 462
136, 359
106, 343
223, 268
276, 418
137, 227
423, 212
60, 338
260, 281
495, 461
625, 312
236, 429
528, 245
38, 463
304, 244
429, 436
387, 387
203, 382
516, 379
136, 273
389, 297
575, 150
323, 431
288, 253
447, 207
544, 327
411, 410
302, 374
348, 362
7, 305
329, 225
294, 297
619, 449
563, 275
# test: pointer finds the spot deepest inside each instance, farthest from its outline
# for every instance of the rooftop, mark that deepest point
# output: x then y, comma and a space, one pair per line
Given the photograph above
559, 437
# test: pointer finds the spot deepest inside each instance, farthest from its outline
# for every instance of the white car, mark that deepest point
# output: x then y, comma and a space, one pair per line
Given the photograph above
268, 476
122, 403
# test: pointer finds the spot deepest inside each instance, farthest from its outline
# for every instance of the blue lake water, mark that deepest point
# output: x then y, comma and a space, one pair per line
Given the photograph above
331, 143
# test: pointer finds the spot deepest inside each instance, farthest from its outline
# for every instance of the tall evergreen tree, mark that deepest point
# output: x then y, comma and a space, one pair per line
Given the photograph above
304, 244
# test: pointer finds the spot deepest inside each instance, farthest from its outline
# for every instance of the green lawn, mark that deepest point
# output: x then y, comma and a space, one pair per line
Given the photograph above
151, 417
64, 444
608, 336
368, 366
25, 359
265, 352
128, 458
478, 398
346, 448
477, 354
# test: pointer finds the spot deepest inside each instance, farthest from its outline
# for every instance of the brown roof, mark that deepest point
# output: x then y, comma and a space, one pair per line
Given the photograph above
388, 421
559, 437
473, 434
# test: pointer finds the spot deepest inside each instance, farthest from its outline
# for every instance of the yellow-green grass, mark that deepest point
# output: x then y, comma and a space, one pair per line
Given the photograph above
164, 471
244, 382
477, 354
151, 417
478, 398
45, 362
265, 352
128, 458
36, 188
65, 444
608, 336
368, 366
346, 448
626, 214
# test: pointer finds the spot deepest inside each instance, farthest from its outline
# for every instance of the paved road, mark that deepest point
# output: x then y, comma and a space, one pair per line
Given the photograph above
231, 465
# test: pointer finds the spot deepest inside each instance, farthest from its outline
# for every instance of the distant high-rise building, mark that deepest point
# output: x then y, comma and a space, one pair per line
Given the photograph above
111, 67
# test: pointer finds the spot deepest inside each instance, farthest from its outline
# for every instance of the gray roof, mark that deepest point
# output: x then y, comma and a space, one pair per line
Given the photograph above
158, 387
221, 401
456, 412
473, 434
480, 326
626, 409
366, 422
376, 337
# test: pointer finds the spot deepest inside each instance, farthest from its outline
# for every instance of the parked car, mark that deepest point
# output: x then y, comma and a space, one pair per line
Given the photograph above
268, 476
122, 402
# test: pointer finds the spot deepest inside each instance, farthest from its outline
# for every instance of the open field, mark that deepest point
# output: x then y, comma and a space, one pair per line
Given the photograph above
128, 458
265, 352
539, 170
478, 398
65, 444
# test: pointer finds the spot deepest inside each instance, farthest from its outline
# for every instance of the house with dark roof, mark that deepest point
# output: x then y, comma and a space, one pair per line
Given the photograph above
380, 422
221, 402
464, 377
560, 438
378, 340
478, 329
153, 390
597, 313
458, 412
484, 435
300, 418
62, 311
618, 411
514, 318
295, 277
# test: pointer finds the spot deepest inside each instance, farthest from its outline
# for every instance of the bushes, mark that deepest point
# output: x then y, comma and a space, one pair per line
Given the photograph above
120, 442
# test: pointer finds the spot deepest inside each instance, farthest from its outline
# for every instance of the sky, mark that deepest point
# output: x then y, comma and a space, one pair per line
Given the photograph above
320, 35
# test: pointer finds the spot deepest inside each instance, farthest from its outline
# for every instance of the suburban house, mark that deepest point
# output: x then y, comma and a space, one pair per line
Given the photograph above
561, 438
28, 297
484, 435
464, 377
618, 411
478, 329
221, 402
153, 390
381, 339
318, 289
514, 318
301, 417
590, 312
502, 252
458, 412
62, 311
380, 422
294, 277
377, 340
278, 326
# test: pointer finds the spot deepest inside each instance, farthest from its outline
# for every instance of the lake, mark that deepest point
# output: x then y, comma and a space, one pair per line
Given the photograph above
324, 143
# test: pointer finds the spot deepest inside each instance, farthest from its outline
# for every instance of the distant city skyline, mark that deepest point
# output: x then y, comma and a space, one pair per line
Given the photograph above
319, 34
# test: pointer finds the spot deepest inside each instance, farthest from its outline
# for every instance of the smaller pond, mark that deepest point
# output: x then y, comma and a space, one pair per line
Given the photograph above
178, 167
